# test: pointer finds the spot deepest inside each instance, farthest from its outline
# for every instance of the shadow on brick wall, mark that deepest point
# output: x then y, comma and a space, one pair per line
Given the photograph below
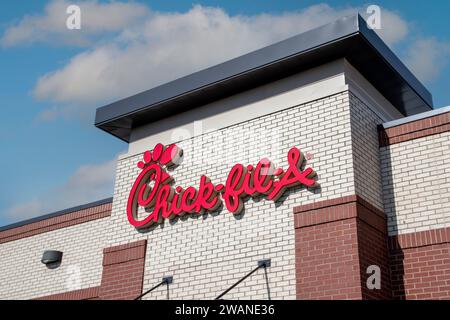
396, 254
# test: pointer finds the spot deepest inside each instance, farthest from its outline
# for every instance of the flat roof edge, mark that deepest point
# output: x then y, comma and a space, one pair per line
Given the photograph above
391, 58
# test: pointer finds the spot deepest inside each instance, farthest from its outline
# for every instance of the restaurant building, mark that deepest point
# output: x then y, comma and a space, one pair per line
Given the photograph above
319, 159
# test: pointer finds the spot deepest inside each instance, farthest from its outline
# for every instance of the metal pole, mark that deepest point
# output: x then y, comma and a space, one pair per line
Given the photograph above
148, 291
261, 264
165, 280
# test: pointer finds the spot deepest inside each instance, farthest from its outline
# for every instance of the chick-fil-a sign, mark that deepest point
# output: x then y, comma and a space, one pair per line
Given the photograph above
153, 188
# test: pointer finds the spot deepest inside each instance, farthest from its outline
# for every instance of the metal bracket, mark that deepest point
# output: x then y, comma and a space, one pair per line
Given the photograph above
168, 279
265, 263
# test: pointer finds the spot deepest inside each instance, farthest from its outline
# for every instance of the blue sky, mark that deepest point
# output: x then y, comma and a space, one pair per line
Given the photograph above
52, 79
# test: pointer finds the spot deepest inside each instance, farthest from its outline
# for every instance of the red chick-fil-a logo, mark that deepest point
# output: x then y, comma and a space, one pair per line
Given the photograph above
153, 188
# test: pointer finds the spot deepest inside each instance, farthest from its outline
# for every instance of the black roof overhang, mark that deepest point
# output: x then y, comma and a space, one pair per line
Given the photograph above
348, 38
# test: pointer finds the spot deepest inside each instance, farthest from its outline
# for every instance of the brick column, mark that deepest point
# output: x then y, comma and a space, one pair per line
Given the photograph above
123, 271
336, 240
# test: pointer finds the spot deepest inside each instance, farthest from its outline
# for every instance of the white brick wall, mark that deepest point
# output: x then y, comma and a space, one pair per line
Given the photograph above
23, 276
207, 254
366, 151
416, 184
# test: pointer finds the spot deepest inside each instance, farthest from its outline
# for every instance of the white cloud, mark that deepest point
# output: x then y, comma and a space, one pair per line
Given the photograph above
89, 183
96, 18
155, 47
169, 45
426, 58
393, 27
26, 210
140, 49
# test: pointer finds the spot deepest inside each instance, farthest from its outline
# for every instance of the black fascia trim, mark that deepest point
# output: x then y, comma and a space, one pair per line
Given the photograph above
396, 64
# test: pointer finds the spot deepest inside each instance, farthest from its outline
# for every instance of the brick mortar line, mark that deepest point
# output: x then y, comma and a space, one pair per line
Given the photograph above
84, 213
124, 250
354, 200
121, 262
402, 248
348, 200
410, 135
417, 130
351, 199
395, 239
340, 201
385, 136
371, 226
56, 223
70, 295
371, 208
120, 247
443, 117
342, 219
325, 222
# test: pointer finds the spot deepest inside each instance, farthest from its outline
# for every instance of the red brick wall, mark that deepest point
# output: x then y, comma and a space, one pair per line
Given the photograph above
335, 242
122, 278
420, 265
372, 248
327, 261
82, 294
123, 271
415, 129
419, 262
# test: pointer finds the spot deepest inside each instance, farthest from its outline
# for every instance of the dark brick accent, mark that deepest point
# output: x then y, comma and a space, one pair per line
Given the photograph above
82, 294
55, 223
420, 265
123, 271
336, 240
414, 129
